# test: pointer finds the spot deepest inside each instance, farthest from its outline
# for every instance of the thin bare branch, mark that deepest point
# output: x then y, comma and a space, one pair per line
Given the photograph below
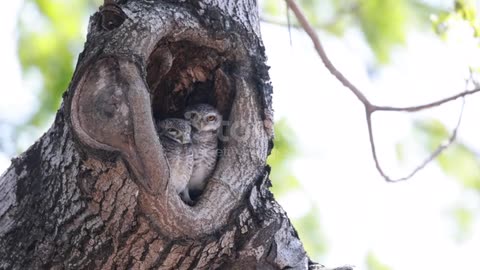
274, 21
340, 14
426, 106
289, 23
323, 55
442, 147
370, 108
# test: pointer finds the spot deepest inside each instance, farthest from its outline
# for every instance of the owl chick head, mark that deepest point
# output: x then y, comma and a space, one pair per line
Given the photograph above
175, 129
203, 117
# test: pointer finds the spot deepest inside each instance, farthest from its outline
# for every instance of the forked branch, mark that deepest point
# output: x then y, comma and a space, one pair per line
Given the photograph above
371, 108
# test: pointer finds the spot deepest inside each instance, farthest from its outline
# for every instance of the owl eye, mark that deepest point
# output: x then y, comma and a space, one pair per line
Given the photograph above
211, 118
172, 131
190, 115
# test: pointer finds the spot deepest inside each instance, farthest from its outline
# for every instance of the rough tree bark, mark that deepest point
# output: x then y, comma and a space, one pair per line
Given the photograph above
93, 193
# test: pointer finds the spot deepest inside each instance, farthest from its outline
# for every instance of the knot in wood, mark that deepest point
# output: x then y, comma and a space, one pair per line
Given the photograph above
112, 16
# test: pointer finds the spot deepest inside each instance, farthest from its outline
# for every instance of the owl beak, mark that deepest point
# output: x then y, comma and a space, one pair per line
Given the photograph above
186, 139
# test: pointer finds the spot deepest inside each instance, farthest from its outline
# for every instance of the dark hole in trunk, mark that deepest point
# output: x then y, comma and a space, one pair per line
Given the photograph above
180, 74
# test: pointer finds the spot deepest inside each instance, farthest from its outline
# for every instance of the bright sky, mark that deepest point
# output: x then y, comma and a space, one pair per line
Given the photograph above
406, 225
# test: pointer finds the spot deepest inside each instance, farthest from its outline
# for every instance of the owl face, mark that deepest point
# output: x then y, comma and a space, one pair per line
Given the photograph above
175, 129
203, 117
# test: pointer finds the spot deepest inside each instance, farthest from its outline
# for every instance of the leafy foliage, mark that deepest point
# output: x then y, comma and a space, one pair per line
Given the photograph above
284, 182
50, 37
464, 219
458, 161
465, 12
384, 23
50, 47
310, 231
282, 155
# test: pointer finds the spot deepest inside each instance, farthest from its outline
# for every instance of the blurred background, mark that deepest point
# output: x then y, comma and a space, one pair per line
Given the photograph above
398, 52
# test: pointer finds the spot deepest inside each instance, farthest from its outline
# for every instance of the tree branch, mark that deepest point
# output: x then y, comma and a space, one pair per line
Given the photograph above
339, 15
442, 147
323, 55
369, 107
426, 106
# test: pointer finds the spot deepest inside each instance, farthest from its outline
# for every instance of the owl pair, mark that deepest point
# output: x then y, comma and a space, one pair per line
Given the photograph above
190, 145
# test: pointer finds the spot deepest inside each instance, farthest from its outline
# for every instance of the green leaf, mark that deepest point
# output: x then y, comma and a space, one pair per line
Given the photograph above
457, 161
467, 9
400, 151
373, 263
464, 218
283, 181
384, 24
274, 8
311, 234
283, 184
51, 51
282, 153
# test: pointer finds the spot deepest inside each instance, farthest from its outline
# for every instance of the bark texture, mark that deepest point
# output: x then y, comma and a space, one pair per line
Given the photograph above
93, 193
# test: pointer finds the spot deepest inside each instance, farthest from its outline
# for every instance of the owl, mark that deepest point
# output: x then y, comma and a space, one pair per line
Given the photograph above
206, 121
175, 137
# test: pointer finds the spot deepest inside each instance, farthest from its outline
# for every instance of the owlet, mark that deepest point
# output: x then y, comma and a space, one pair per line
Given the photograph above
175, 136
206, 121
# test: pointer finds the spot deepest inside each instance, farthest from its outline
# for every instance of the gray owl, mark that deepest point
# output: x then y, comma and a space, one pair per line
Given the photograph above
175, 136
206, 121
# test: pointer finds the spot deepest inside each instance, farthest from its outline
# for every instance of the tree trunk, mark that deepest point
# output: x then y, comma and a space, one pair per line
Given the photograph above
93, 192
